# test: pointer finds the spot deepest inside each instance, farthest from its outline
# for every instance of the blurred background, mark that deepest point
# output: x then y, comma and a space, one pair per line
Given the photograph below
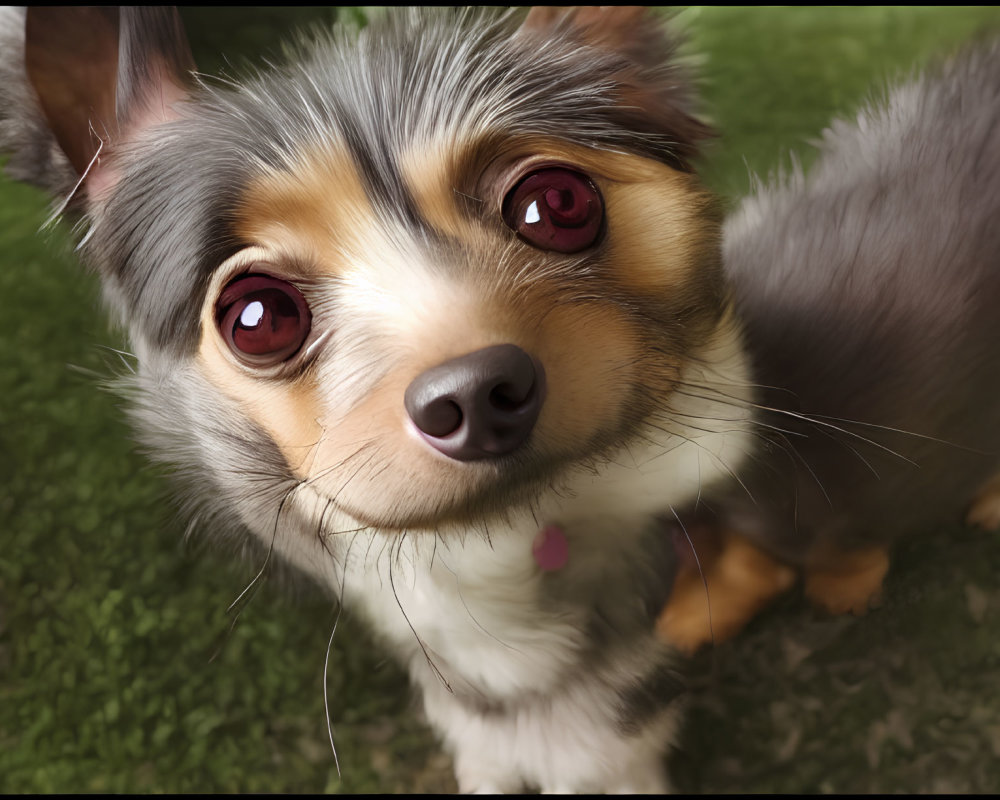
121, 671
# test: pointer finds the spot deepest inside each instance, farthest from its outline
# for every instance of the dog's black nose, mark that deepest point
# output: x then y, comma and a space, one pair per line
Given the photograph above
480, 405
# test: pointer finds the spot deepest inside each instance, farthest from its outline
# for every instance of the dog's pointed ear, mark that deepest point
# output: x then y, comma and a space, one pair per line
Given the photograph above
655, 93
104, 74
626, 29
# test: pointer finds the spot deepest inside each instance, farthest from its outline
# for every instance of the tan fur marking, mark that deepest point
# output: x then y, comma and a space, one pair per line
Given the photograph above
657, 229
985, 509
289, 412
375, 438
590, 354
849, 582
370, 442
652, 252
311, 220
633, 187
430, 176
658, 233
741, 580
527, 152
315, 214
588, 351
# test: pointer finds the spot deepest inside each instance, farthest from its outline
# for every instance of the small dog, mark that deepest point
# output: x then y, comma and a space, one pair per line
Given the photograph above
438, 315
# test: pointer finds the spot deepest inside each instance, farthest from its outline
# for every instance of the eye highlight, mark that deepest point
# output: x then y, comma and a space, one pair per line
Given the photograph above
263, 320
555, 209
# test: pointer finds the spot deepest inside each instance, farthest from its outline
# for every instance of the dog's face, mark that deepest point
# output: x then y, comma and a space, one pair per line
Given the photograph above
423, 272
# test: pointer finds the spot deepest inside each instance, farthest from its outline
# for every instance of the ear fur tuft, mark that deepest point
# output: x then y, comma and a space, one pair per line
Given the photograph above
655, 93
91, 78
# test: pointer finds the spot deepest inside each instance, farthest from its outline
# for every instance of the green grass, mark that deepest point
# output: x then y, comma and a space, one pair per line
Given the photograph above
108, 622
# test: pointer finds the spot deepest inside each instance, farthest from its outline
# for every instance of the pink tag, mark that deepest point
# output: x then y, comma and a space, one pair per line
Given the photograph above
550, 548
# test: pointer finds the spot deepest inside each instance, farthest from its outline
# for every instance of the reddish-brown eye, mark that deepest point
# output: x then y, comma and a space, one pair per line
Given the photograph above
263, 320
555, 209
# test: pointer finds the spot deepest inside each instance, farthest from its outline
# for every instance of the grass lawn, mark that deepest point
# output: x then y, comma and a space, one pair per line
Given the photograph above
118, 670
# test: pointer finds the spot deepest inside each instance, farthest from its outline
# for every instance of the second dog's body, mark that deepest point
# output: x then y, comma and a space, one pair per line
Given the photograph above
869, 292
884, 267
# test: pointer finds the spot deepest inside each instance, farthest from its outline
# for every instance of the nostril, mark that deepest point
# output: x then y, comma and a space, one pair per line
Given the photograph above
508, 397
440, 417
480, 405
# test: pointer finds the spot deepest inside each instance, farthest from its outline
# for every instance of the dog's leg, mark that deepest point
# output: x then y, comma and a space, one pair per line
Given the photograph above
985, 509
848, 581
714, 599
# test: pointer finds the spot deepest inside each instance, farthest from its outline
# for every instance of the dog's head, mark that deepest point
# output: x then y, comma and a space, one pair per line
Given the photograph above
423, 270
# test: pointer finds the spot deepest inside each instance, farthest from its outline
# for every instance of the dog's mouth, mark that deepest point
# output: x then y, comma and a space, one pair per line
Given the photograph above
495, 492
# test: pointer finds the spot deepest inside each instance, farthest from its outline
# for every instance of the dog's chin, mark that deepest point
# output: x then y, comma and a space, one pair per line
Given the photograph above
491, 503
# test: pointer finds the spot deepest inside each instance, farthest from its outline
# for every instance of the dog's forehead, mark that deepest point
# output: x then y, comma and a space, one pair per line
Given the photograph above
426, 76
387, 108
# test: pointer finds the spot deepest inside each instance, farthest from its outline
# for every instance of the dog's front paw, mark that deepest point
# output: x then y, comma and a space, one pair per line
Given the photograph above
985, 509
713, 601
850, 583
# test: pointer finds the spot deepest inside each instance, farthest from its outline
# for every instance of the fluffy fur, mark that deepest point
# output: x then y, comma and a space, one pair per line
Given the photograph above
370, 172
35, 157
869, 292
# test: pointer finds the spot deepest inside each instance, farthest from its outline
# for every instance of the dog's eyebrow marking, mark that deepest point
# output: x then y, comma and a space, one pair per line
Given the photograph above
317, 208
430, 173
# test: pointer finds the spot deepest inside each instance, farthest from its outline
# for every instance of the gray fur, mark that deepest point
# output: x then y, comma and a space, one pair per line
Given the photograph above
883, 263
408, 77
870, 293
152, 39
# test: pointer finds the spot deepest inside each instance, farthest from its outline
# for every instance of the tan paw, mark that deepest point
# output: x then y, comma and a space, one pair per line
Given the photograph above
849, 582
985, 509
741, 581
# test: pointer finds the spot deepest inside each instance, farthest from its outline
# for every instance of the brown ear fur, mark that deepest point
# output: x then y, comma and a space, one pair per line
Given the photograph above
102, 74
627, 29
71, 55
655, 94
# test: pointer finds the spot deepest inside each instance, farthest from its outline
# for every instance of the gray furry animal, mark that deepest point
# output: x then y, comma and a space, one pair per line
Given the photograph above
869, 293
435, 313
